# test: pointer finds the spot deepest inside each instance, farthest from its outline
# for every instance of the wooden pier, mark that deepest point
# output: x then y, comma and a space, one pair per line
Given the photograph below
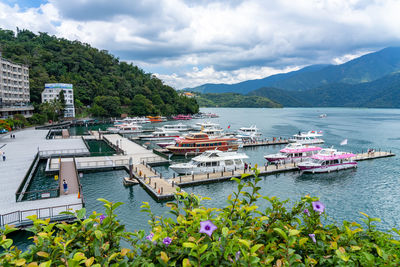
373, 155
266, 143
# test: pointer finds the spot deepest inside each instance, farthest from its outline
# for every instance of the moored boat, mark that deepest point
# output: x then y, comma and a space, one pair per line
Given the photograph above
328, 160
159, 135
212, 161
251, 131
196, 143
174, 127
204, 125
293, 152
182, 117
134, 120
125, 128
307, 138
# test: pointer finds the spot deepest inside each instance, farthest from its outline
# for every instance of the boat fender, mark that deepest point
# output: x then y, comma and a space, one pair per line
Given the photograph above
313, 171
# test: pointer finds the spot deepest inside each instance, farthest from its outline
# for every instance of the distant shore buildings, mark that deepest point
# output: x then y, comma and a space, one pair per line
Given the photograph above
14, 89
52, 91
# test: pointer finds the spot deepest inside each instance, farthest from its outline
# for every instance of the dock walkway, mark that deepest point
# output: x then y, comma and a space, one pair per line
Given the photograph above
20, 153
68, 173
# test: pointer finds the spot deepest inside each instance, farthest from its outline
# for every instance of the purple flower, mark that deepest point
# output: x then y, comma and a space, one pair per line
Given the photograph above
207, 227
150, 237
102, 217
318, 206
307, 212
312, 236
167, 241
237, 255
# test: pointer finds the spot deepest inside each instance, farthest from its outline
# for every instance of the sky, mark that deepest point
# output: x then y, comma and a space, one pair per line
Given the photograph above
187, 43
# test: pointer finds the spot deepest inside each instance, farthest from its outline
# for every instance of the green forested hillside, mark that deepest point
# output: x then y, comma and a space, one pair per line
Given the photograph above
235, 100
99, 78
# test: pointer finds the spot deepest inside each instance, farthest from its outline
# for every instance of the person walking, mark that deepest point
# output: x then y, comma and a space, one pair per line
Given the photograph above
65, 186
4, 156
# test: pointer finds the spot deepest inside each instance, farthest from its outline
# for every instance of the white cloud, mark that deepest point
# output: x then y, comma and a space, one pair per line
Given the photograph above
226, 40
197, 76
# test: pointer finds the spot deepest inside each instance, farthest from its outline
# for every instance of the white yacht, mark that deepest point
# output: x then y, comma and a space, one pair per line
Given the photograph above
213, 132
251, 131
134, 120
160, 135
307, 138
328, 160
125, 128
293, 152
175, 127
205, 125
212, 161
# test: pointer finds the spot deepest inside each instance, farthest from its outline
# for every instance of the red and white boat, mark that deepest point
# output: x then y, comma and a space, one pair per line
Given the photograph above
197, 143
328, 160
293, 152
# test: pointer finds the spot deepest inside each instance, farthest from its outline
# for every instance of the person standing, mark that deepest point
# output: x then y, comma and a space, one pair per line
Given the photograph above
4, 156
65, 186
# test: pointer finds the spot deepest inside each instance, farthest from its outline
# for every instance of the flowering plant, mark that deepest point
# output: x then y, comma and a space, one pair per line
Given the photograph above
239, 234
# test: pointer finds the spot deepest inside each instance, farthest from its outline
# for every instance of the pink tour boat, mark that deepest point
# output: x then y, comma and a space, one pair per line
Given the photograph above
294, 152
328, 160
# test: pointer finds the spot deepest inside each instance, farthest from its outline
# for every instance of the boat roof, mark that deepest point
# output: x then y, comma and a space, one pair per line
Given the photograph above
309, 134
216, 155
253, 127
331, 154
298, 148
202, 137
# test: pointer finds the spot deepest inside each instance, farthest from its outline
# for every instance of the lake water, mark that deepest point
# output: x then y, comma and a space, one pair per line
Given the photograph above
372, 188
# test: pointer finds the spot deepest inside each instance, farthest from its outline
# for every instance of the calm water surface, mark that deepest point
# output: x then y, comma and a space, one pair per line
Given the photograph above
373, 187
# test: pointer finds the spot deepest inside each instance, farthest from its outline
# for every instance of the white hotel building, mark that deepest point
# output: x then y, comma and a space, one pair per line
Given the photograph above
52, 91
14, 89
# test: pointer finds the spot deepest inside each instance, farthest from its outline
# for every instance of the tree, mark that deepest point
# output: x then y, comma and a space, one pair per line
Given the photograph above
110, 104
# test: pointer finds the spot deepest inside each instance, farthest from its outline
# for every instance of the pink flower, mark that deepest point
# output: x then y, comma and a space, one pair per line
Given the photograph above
207, 227
167, 241
312, 236
318, 206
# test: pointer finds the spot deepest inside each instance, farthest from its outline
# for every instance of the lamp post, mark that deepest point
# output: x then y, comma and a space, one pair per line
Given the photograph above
130, 168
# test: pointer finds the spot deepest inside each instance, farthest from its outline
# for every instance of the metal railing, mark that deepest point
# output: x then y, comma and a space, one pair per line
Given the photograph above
18, 218
151, 159
56, 152
39, 194
102, 163
80, 194
28, 177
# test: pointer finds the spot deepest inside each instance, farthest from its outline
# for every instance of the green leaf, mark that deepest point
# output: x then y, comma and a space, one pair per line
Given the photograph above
255, 248
45, 264
7, 243
281, 233
269, 259
203, 248
189, 245
225, 231
293, 232
245, 242
78, 256
98, 234
368, 256
80, 214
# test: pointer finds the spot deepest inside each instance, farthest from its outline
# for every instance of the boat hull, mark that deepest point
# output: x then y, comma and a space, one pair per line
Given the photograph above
198, 170
327, 168
198, 150
307, 142
158, 138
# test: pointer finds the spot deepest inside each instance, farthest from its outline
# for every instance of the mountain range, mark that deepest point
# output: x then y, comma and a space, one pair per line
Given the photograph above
372, 80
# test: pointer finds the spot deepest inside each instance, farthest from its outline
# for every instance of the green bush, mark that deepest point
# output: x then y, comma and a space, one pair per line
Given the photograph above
239, 234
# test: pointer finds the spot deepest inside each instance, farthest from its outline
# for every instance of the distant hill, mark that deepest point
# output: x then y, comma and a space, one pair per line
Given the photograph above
247, 86
235, 100
363, 69
286, 98
381, 93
